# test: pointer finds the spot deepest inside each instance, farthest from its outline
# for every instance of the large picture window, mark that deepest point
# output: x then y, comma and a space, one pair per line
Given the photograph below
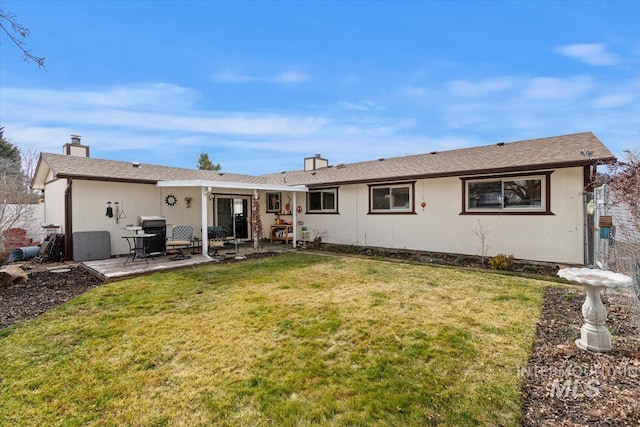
507, 194
391, 198
323, 200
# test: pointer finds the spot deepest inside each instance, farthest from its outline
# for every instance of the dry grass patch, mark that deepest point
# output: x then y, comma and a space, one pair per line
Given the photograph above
296, 339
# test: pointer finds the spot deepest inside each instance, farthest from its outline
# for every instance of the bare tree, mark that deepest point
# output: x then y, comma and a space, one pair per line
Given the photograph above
17, 33
625, 184
17, 201
482, 234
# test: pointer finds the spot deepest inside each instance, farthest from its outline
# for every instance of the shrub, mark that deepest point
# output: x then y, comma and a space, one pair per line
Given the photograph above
461, 259
501, 262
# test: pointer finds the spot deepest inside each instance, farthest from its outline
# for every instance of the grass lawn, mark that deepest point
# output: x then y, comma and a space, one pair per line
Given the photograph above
296, 339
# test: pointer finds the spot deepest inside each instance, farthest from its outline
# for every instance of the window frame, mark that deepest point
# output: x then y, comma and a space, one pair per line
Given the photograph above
274, 201
411, 210
545, 196
333, 190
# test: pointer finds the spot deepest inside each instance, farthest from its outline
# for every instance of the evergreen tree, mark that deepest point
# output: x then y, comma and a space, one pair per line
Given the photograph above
205, 164
10, 157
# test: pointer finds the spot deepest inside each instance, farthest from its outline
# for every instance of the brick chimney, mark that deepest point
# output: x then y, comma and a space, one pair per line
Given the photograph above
74, 148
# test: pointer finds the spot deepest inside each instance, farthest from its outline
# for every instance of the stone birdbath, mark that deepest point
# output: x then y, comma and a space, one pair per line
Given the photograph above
594, 334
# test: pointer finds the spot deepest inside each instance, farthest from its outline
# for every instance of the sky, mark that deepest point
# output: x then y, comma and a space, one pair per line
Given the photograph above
260, 85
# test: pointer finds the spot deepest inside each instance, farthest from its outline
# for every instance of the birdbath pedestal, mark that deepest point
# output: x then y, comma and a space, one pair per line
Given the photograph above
594, 334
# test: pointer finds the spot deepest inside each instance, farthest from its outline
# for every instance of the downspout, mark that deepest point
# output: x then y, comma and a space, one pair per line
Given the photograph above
68, 220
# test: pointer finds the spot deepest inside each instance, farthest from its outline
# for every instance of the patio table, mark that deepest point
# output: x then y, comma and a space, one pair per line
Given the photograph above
138, 246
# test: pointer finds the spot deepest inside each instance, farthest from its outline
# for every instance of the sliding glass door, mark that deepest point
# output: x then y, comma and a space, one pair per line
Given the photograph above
232, 213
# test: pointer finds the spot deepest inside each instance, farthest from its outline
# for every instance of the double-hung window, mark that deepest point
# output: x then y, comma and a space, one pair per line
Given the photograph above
391, 198
516, 194
323, 200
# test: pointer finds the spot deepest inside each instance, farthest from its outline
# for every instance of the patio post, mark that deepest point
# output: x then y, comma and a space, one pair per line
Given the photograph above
203, 219
295, 218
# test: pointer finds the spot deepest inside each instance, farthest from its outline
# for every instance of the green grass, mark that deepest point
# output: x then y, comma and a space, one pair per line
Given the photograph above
296, 339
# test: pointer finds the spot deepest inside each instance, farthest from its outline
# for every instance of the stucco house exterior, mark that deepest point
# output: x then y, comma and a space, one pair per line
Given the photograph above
526, 196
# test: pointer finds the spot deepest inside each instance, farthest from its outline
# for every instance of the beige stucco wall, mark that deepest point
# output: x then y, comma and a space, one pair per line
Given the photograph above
441, 228
90, 205
54, 202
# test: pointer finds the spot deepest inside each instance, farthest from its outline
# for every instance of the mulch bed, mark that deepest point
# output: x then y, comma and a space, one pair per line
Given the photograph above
44, 290
562, 385
567, 386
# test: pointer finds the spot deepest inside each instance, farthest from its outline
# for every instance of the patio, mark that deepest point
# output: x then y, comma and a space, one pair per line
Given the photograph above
115, 268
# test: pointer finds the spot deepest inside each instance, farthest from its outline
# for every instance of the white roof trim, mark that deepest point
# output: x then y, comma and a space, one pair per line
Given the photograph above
235, 185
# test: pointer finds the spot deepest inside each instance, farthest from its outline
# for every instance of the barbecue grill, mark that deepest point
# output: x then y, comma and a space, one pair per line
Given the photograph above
155, 225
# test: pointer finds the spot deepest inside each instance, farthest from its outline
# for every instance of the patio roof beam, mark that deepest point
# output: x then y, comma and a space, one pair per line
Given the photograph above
233, 185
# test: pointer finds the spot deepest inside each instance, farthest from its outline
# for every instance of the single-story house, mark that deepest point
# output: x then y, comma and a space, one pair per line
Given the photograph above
523, 198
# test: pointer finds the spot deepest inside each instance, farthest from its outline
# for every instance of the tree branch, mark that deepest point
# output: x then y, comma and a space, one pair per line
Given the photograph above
22, 33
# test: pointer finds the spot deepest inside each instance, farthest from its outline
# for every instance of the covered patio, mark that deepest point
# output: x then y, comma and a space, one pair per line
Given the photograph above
211, 189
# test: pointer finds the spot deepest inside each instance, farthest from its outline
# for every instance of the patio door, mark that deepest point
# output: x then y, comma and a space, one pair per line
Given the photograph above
233, 214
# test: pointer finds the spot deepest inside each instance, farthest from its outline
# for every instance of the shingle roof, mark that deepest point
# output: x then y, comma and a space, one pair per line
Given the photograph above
534, 154
65, 166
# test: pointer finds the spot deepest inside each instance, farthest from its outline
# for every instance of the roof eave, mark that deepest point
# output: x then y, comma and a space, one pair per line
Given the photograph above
558, 165
107, 178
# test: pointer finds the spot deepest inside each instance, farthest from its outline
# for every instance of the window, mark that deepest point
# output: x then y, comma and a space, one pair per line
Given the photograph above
507, 194
391, 198
323, 200
273, 202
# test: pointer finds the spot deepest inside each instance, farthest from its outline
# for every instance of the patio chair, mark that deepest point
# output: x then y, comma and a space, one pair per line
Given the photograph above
181, 239
217, 240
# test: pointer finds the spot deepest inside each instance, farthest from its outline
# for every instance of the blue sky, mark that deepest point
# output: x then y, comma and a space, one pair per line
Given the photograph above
260, 85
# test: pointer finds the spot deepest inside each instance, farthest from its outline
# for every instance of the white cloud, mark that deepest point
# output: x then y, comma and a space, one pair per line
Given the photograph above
286, 77
613, 101
466, 88
362, 105
290, 77
589, 53
74, 109
558, 88
145, 95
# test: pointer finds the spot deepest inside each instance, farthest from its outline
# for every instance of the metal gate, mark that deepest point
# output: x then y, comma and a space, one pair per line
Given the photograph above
600, 238
614, 236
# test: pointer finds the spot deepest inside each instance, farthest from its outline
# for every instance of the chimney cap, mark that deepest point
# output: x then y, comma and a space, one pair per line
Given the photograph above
75, 139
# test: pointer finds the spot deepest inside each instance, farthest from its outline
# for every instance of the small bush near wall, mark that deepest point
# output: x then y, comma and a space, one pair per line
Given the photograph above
501, 262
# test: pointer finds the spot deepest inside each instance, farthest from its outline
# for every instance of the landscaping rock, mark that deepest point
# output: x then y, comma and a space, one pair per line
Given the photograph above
11, 275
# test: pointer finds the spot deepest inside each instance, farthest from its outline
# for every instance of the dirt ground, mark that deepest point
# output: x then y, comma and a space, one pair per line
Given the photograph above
563, 385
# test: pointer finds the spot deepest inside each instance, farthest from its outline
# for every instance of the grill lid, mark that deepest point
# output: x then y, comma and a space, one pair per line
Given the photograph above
150, 218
